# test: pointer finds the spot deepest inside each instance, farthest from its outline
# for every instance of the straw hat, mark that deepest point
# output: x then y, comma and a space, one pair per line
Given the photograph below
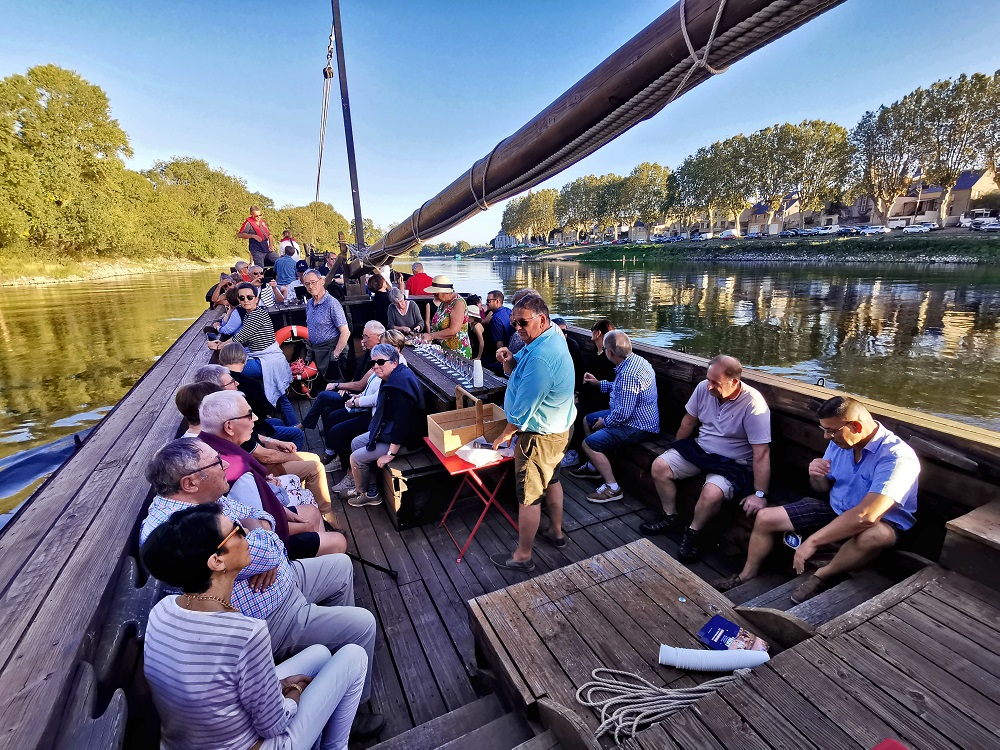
440, 285
473, 312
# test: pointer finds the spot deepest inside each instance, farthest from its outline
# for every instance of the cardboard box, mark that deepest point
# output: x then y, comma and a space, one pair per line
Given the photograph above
450, 430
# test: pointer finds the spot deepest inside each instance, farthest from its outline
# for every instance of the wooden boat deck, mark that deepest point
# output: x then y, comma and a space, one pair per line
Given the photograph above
919, 664
425, 658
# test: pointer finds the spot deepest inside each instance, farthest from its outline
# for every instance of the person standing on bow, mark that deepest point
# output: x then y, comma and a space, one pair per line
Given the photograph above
329, 334
540, 411
450, 324
256, 231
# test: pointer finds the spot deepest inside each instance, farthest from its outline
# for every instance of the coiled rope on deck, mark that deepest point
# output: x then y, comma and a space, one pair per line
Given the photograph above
769, 22
632, 702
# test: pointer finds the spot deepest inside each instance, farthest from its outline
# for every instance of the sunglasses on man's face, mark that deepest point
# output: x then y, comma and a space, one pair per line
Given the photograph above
244, 298
523, 322
237, 529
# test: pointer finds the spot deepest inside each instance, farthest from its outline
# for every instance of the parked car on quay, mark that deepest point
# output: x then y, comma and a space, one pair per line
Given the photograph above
875, 229
992, 227
916, 229
728, 234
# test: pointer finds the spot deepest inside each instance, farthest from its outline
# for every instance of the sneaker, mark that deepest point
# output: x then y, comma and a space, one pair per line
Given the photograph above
809, 588
331, 461
689, 552
727, 584
345, 486
585, 471
572, 458
604, 494
360, 499
509, 563
659, 525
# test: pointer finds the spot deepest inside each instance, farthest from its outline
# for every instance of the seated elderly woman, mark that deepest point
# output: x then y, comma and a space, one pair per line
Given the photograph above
397, 422
404, 315
265, 360
188, 400
222, 688
226, 422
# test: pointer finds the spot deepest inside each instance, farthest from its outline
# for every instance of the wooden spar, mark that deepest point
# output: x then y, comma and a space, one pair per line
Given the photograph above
610, 90
352, 166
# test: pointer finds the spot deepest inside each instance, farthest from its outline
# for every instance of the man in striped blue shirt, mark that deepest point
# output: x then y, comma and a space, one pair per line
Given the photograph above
634, 415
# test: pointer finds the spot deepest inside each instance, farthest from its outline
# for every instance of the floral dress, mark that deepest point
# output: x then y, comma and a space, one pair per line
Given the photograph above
442, 321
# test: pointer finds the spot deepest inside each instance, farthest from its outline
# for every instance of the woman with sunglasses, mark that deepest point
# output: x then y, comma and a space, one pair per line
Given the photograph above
397, 422
265, 360
450, 324
210, 669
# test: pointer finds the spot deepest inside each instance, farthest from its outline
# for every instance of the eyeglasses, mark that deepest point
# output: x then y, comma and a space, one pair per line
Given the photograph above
523, 322
380, 362
226, 385
237, 529
248, 415
216, 462
827, 432
244, 298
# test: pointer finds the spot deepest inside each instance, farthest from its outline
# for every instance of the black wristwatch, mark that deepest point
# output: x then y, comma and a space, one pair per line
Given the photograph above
761, 494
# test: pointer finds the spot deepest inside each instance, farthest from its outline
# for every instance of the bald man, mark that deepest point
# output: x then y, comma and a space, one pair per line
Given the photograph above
871, 475
732, 451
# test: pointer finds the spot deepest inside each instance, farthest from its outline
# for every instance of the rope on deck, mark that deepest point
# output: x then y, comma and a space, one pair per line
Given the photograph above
632, 702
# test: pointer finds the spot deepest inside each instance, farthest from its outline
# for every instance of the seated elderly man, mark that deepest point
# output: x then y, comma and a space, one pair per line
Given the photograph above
270, 293
871, 475
634, 415
732, 450
304, 602
228, 375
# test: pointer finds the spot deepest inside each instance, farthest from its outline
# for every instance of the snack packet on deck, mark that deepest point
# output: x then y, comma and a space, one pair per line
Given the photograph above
722, 635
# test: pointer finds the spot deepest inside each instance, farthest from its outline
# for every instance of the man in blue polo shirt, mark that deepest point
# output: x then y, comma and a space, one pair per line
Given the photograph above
540, 412
871, 475
498, 319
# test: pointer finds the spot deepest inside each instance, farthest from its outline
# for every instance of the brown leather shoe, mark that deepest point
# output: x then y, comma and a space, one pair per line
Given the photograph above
727, 584
809, 588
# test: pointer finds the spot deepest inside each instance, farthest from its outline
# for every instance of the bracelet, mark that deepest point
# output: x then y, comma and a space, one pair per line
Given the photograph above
296, 687
390, 454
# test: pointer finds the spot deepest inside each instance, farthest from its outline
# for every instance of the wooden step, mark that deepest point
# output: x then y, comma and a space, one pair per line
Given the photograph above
755, 587
780, 597
843, 597
544, 741
505, 733
447, 727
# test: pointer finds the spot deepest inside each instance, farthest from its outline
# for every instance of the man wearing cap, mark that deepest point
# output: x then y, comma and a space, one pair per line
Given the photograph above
419, 281
540, 412
328, 331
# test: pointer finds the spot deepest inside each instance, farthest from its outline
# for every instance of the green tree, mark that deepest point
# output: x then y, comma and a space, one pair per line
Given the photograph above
611, 208
768, 159
698, 184
820, 167
730, 172
372, 232
646, 195
948, 129
576, 205
882, 156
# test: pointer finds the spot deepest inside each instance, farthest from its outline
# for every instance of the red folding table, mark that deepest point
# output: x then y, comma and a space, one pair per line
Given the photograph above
456, 466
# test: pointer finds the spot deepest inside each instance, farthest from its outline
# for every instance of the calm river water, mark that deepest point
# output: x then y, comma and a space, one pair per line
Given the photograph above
923, 337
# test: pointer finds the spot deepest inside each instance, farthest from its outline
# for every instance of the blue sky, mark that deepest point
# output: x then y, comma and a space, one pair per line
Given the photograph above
436, 84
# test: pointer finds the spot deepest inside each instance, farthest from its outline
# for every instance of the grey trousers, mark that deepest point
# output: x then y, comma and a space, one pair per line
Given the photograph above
321, 611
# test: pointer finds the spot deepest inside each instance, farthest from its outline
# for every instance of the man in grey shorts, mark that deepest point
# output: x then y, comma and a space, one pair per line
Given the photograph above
871, 475
732, 450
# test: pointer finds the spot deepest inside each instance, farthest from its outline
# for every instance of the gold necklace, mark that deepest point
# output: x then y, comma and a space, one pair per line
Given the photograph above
220, 600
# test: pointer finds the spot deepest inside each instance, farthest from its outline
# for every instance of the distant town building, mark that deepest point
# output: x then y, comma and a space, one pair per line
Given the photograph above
503, 241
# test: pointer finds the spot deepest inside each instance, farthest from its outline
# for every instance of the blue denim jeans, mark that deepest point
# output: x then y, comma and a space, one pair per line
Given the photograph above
290, 434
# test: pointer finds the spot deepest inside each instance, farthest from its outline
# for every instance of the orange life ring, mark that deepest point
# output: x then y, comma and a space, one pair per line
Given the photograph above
282, 335
309, 373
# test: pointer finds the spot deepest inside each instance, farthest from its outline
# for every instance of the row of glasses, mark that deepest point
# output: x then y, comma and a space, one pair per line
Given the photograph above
456, 366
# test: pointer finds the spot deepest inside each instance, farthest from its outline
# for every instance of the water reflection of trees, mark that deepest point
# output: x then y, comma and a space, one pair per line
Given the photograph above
923, 337
73, 348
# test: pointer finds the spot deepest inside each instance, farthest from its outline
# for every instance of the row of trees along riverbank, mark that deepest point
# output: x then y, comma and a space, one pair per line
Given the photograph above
936, 132
65, 192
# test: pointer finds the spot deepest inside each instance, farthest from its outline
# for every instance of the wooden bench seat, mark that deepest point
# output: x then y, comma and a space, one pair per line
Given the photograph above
972, 544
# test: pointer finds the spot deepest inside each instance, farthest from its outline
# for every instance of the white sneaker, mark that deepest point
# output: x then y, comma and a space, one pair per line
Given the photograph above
345, 486
572, 458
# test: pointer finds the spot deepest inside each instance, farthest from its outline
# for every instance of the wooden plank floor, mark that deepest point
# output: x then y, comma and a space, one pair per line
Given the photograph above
425, 651
920, 665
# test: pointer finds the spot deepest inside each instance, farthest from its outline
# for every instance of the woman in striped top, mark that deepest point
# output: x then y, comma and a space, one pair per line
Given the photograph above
210, 669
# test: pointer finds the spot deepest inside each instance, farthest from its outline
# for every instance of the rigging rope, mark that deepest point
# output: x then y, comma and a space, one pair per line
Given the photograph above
771, 21
633, 702
327, 82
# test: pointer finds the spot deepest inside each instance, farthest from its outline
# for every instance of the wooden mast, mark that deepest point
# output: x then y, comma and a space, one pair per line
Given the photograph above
608, 91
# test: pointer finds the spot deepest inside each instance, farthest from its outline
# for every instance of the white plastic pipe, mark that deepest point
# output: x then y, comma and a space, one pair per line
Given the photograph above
702, 660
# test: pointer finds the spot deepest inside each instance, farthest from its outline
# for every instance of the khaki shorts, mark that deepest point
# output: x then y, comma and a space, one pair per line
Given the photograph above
537, 460
682, 469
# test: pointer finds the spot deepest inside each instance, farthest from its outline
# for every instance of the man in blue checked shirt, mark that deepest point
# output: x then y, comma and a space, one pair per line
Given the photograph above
634, 415
303, 602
